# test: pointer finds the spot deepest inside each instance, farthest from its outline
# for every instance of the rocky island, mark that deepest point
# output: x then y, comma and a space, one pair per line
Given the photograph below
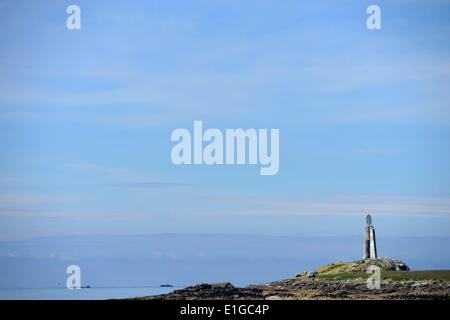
340, 280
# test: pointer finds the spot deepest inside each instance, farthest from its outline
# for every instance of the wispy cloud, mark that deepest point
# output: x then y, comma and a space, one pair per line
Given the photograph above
155, 184
125, 177
383, 204
92, 167
11, 199
39, 205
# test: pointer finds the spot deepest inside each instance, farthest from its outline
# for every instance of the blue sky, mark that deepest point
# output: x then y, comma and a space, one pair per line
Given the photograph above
86, 117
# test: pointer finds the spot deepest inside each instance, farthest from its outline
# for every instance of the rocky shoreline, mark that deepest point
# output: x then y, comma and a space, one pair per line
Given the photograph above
339, 281
313, 289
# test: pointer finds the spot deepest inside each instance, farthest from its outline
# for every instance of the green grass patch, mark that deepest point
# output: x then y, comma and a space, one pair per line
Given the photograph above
332, 267
419, 275
344, 276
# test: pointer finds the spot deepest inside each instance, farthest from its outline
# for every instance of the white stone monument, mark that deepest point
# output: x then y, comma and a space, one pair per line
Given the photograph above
370, 245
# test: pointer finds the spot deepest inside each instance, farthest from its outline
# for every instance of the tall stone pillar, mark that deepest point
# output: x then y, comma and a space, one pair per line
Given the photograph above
370, 245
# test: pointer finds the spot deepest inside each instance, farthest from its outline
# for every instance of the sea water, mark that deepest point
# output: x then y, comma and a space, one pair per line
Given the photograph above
61, 293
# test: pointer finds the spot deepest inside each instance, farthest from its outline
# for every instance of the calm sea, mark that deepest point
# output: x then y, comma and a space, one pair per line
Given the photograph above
79, 294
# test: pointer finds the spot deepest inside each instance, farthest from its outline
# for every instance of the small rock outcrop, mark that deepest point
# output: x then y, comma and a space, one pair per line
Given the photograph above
385, 264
